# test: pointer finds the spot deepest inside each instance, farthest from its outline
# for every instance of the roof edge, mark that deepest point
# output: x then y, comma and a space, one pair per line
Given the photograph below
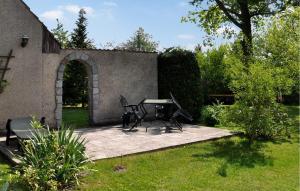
38, 19
111, 50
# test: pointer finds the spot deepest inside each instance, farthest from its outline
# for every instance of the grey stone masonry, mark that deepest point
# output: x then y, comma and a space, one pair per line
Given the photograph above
85, 59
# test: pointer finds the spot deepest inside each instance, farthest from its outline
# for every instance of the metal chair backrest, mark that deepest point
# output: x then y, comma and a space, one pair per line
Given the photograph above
123, 102
181, 111
175, 101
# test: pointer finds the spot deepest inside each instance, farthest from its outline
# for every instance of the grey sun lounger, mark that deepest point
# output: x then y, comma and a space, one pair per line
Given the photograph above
21, 128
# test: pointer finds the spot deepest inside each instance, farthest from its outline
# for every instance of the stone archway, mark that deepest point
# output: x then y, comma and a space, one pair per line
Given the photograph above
94, 91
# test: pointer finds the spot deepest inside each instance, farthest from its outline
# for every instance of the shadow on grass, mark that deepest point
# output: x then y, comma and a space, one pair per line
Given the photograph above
237, 152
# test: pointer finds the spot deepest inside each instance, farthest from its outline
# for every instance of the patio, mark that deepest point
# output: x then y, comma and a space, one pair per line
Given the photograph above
109, 142
112, 141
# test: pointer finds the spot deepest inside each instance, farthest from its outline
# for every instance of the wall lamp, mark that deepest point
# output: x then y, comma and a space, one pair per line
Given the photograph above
25, 40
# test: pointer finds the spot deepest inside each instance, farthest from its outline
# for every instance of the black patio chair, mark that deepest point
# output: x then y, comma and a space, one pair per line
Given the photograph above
132, 114
179, 112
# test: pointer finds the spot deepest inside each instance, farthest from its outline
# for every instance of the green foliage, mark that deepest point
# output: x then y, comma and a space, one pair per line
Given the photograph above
211, 114
213, 71
79, 37
75, 84
178, 72
279, 47
35, 123
52, 161
140, 41
5, 186
75, 75
216, 17
61, 35
256, 110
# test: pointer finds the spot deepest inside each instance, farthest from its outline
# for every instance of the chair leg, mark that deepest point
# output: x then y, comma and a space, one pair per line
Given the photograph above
176, 123
8, 132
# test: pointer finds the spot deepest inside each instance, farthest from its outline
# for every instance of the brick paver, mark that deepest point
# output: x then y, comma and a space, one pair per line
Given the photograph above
109, 142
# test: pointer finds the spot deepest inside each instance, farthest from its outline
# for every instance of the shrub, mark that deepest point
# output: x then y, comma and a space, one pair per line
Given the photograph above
52, 161
211, 114
256, 109
179, 73
213, 71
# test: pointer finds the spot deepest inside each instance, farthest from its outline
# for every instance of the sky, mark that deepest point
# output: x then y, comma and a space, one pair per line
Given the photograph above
116, 20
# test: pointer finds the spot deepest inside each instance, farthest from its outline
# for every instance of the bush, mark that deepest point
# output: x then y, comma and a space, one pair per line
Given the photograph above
179, 73
256, 109
52, 161
211, 114
213, 70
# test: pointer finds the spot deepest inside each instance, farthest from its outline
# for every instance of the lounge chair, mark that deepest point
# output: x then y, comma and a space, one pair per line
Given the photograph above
21, 127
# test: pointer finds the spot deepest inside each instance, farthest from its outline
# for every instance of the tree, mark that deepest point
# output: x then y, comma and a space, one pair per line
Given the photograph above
278, 43
256, 110
79, 37
75, 76
140, 41
216, 15
61, 35
213, 71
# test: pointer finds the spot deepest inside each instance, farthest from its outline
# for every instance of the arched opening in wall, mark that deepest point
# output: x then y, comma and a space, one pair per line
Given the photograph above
76, 91
77, 115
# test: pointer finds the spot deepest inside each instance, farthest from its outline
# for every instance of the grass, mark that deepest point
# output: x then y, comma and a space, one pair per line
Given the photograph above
76, 117
4, 170
226, 164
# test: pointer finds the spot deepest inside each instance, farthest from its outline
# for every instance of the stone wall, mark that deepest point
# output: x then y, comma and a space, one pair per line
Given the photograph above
112, 73
35, 78
23, 96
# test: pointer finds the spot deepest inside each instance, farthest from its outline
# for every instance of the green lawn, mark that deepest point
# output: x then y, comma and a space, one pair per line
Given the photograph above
226, 164
4, 170
76, 117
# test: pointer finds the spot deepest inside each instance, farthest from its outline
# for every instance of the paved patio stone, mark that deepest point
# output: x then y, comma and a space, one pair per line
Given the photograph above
110, 142
113, 141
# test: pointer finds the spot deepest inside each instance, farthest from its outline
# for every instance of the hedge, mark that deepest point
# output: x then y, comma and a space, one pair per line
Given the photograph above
179, 73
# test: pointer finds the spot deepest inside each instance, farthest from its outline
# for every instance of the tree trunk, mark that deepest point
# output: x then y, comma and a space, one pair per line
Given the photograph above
246, 29
247, 44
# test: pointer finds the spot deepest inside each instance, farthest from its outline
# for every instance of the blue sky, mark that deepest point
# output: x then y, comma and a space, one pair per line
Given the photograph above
116, 20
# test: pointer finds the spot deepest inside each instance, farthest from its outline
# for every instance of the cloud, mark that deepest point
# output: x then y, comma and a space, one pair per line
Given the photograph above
186, 36
110, 4
74, 9
53, 14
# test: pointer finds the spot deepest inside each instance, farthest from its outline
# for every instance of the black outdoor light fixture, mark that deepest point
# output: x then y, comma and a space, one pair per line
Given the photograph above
25, 40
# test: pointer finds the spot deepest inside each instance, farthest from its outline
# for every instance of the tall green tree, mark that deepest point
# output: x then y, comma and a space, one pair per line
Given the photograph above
79, 37
140, 41
220, 15
61, 35
278, 44
75, 76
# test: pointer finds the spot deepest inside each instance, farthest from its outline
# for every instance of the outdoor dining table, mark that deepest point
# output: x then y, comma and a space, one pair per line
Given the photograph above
165, 110
156, 102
